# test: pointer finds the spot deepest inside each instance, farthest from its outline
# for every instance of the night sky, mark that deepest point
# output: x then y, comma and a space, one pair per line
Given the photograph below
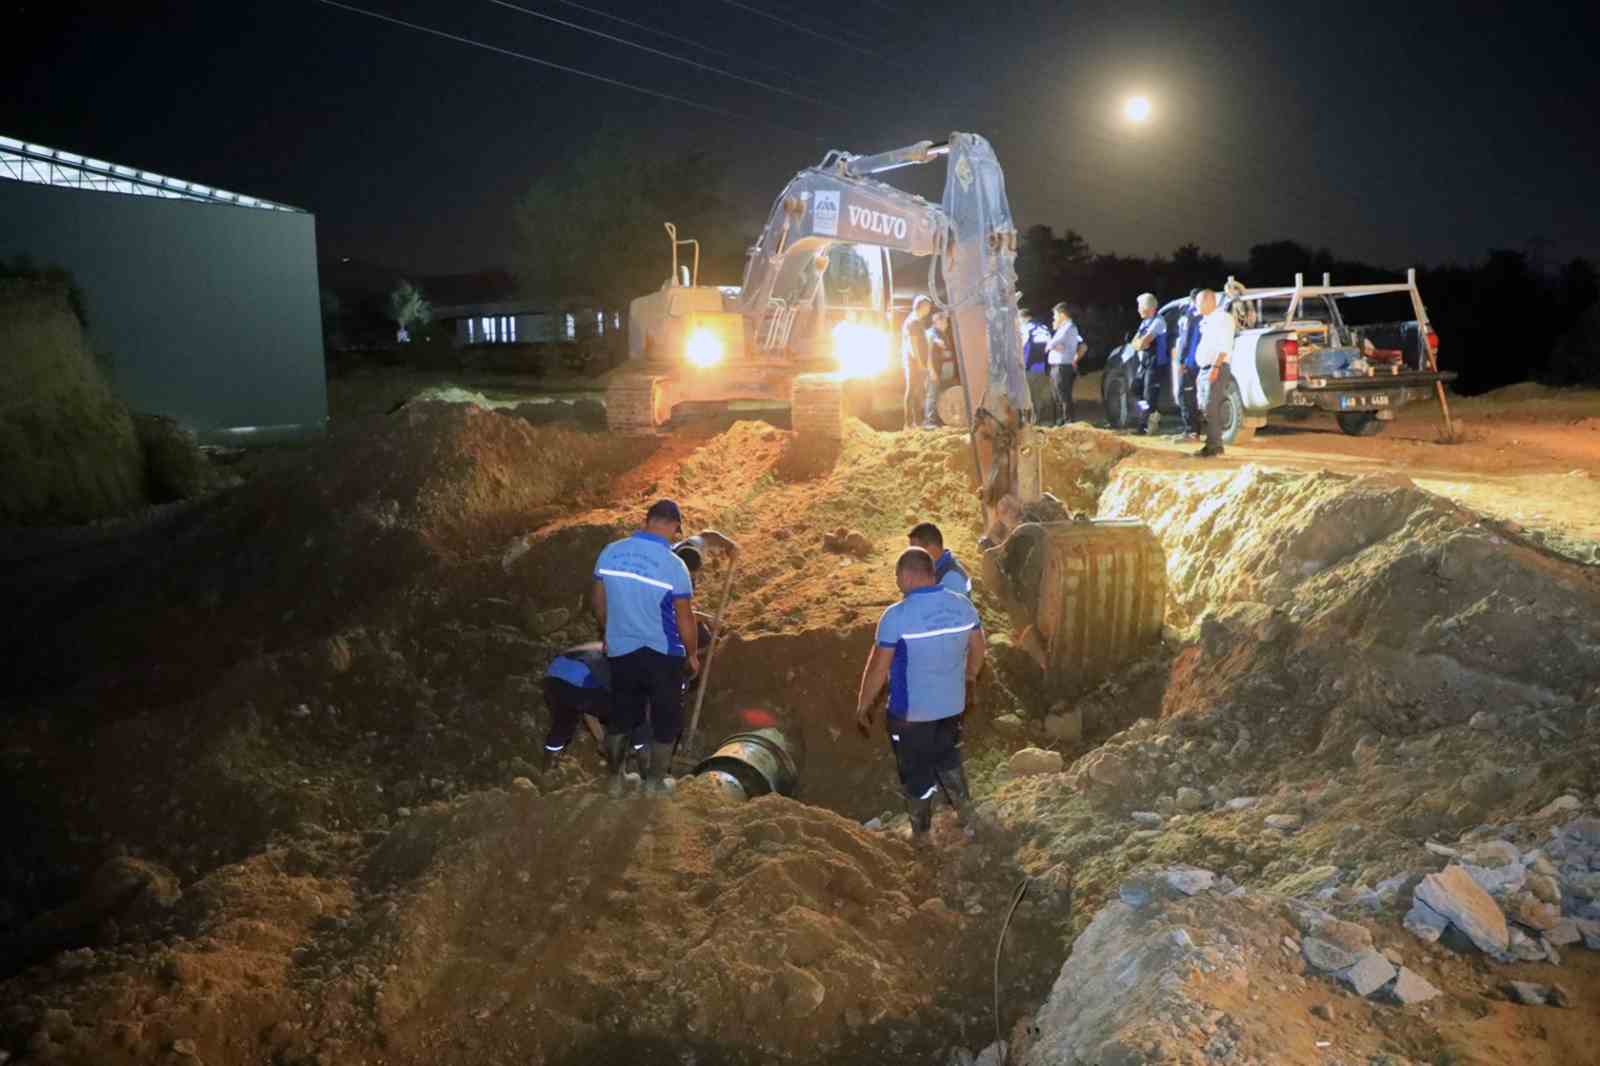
1398, 133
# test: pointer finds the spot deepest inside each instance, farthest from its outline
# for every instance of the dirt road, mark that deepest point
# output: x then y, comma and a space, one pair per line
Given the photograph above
1529, 459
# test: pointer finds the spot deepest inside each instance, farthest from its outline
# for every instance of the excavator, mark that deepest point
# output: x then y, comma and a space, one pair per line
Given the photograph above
815, 311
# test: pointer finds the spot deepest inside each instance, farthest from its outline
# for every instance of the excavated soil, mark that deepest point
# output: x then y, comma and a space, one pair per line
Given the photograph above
279, 803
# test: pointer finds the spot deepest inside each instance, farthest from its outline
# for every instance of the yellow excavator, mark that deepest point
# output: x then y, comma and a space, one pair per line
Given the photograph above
815, 311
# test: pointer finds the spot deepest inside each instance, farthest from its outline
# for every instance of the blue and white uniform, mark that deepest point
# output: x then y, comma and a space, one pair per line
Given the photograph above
951, 575
644, 581
927, 632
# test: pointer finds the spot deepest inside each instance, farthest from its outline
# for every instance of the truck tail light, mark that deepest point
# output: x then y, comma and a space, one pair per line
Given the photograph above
1433, 343
1288, 359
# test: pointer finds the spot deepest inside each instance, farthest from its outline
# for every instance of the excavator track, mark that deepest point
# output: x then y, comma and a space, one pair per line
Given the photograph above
634, 403
816, 406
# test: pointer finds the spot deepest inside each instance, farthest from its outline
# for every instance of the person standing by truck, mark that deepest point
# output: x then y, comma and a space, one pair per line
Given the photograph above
1035, 339
1188, 341
1152, 341
928, 650
1065, 349
1211, 358
922, 390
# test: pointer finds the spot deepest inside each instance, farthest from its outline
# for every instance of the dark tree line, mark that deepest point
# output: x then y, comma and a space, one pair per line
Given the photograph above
1499, 321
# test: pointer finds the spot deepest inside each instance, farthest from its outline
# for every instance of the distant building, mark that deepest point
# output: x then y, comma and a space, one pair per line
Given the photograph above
204, 302
524, 322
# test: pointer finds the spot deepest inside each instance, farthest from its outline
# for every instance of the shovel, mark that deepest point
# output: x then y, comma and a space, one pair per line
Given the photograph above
684, 758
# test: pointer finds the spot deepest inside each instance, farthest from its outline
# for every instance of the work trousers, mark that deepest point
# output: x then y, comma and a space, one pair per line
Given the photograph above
922, 750
1189, 403
646, 682
1064, 377
1156, 379
1211, 394
922, 395
1043, 394
568, 704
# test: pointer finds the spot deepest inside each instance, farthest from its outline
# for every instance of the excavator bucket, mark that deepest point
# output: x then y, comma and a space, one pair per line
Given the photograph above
1086, 597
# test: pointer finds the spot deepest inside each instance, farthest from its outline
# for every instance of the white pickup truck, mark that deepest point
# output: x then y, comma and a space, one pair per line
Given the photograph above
1294, 350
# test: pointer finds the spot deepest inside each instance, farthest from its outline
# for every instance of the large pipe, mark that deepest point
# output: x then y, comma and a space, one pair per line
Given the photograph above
753, 764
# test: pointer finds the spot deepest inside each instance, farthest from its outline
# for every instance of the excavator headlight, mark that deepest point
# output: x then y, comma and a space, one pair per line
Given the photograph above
861, 350
704, 348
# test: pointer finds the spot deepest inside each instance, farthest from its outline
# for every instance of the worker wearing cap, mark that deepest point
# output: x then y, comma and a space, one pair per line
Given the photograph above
643, 600
928, 651
577, 684
946, 571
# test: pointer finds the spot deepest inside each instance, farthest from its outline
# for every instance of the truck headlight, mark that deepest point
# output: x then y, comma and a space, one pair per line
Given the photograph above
704, 348
862, 351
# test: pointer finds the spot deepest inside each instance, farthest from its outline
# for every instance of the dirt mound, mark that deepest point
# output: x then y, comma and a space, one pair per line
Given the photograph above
1379, 567
769, 926
68, 451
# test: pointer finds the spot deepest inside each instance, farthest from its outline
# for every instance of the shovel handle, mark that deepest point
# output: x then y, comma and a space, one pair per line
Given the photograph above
687, 744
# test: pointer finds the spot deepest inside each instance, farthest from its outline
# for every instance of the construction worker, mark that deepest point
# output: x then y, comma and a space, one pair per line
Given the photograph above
946, 571
1188, 341
1151, 340
941, 353
1035, 338
577, 684
1065, 349
922, 391
643, 601
929, 649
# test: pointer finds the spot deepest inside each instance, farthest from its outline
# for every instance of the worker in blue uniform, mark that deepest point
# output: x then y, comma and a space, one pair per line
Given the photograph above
928, 650
946, 570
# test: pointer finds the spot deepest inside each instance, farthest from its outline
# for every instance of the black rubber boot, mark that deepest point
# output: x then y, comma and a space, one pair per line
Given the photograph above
954, 783
616, 749
921, 811
655, 781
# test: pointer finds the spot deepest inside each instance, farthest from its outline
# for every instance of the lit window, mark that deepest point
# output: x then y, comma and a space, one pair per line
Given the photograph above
472, 332
600, 323
572, 328
616, 320
511, 329
488, 331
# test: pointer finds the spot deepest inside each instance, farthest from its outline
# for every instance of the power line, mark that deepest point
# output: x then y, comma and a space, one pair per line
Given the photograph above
691, 42
564, 69
667, 55
802, 29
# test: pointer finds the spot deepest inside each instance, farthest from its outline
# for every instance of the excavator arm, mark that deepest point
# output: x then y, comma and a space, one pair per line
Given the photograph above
971, 242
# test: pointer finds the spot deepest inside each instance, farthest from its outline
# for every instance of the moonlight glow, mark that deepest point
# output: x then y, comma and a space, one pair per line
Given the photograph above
1137, 109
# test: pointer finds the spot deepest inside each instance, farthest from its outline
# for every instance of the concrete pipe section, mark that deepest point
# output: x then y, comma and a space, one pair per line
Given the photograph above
753, 764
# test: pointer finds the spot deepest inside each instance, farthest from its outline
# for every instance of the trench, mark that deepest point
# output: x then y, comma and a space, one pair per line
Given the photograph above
524, 924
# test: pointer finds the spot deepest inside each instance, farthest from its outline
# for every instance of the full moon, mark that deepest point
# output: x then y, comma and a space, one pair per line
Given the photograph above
1137, 109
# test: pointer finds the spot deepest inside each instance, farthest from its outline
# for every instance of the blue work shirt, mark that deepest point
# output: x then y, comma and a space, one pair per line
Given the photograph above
1156, 326
1189, 333
583, 666
643, 579
927, 631
1035, 338
952, 575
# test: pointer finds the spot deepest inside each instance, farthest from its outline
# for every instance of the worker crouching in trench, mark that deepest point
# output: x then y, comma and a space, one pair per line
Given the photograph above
928, 651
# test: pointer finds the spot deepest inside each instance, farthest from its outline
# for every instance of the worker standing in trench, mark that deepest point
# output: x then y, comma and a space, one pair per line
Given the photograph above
946, 570
643, 600
929, 649
577, 684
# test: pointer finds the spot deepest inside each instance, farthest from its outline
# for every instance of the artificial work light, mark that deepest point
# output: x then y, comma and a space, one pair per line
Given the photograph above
861, 350
704, 348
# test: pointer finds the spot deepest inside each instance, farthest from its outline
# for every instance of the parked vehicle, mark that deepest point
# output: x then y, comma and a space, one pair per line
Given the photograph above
1297, 352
